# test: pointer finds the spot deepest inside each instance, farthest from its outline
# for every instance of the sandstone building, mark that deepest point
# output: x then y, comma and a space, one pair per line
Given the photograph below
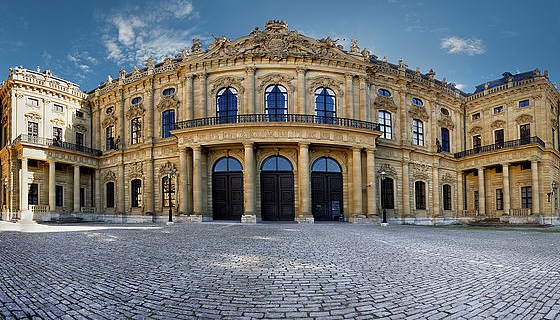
277, 126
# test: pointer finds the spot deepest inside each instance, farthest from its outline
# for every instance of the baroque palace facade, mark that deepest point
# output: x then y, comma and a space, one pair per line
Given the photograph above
277, 126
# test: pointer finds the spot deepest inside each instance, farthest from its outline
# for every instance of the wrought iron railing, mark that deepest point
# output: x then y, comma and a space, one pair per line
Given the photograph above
273, 118
500, 145
56, 143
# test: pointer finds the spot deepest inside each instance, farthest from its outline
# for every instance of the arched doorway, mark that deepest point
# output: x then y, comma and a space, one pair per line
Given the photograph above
227, 189
326, 190
277, 189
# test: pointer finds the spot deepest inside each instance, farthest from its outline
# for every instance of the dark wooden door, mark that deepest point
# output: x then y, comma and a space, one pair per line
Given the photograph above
326, 196
227, 195
277, 196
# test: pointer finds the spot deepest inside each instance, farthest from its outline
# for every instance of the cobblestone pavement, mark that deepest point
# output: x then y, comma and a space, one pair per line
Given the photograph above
265, 271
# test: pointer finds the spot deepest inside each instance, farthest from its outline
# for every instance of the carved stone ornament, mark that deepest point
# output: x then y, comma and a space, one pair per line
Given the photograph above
4, 119
524, 118
447, 178
227, 81
420, 171
33, 116
475, 130
325, 82
418, 113
275, 78
109, 120
384, 103
135, 111
58, 122
164, 169
109, 176
391, 172
79, 128
167, 102
498, 124
446, 122
136, 170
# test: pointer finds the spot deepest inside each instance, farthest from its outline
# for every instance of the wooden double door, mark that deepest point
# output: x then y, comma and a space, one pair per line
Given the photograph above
326, 189
227, 195
277, 196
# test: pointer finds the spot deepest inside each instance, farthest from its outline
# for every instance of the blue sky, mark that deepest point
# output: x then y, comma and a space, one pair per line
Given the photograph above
466, 42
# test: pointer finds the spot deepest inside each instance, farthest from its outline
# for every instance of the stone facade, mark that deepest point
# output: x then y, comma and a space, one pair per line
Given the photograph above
279, 126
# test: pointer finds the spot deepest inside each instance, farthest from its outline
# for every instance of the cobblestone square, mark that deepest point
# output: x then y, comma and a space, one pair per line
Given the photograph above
265, 271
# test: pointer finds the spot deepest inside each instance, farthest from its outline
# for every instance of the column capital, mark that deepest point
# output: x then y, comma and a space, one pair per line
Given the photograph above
251, 70
249, 144
196, 148
304, 144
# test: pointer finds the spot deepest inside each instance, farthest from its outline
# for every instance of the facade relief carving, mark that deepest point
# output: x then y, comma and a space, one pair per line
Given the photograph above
32, 116
391, 172
446, 122
135, 169
109, 176
275, 78
164, 169
524, 118
325, 82
418, 113
230, 81
168, 102
110, 120
475, 130
135, 111
420, 170
498, 124
384, 103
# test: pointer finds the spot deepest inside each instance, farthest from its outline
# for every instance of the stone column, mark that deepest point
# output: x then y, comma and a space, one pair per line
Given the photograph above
536, 210
24, 187
362, 107
251, 102
188, 98
120, 186
52, 185
481, 193
460, 200
304, 180
148, 121
97, 197
349, 97
183, 181
149, 185
203, 108
405, 188
357, 180
76, 188
189, 185
371, 183
301, 105
436, 191
505, 183
249, 179
197, 180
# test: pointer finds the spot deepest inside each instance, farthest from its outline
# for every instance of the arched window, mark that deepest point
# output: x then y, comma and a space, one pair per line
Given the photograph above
420, 194
444, 111
417, 102
168, 91
384, 120
276, 163
276, 103
167, 123
136, 193
167, 191
227, 164
325, 105
135, 130
226, 105
446, 197
136, 100
417, 132
109, 138
445, 140
110, 194
384, 92
325, 164
387, 200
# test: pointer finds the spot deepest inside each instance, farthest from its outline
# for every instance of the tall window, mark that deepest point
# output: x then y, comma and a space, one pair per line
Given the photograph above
499, 138
109, 137
136, 193
59, 196
165, 188
475, 198
32, 129
110, 194
446, 197
499, 199
384, 119
79, 139
167, 123
33, 194
445, 140
417, 132
525, 133
57, 134
476, 142
276, 102
387, 200
135, 130
526, 197
420, 195
226, 105
325, 105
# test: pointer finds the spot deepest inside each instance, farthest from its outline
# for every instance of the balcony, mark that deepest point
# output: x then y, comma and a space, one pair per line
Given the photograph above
500, 146
55, 143
275, 118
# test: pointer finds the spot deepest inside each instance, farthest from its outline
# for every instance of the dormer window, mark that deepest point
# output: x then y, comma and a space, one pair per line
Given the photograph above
524, 103
384, 92
475, 116
168, 91
136, 100
444, 111
58, 108
417, 102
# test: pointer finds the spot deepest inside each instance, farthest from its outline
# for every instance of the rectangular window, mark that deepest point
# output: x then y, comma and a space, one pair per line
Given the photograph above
525, 134
33, 194
445, 140
32, 129
446, 197
499, 138
475, 198
417, 132
136, 186
553, 138
420, 195
475, 116
59, 190
499, 199
168, 122
79, 139
110, 191
135, 130
384, 120
79, 114
82, 197
5, 136
57, 134
58, 108
387, 200
476, 142
524, 103
33, 102
109, 138
498, 109
526, 197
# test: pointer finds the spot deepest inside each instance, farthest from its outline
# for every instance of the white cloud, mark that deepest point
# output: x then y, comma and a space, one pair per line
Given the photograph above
469, 46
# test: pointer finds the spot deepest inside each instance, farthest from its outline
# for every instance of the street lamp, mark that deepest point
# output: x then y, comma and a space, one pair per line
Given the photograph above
384, 217
169, 176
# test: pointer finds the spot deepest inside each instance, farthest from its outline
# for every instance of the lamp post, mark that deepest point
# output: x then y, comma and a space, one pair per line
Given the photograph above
384, 214
169, 176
